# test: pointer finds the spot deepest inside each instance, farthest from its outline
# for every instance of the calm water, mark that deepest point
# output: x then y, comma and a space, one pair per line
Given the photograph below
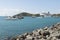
16, 27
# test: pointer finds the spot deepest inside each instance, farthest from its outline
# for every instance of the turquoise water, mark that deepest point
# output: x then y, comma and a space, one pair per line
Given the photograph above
28, 24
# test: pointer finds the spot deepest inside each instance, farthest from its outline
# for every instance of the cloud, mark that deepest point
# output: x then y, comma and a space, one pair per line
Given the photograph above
9, 12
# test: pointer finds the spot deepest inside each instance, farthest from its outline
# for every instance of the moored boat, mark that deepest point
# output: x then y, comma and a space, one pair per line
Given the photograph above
10, 18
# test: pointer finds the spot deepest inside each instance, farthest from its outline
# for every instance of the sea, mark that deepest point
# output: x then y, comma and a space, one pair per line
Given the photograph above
11, 28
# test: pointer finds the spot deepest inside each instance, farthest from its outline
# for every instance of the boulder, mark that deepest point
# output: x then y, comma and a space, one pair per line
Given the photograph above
46, 33
58, 37
28, 37
45, 28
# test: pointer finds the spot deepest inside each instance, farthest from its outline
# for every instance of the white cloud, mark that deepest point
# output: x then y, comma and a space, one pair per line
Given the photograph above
11, 12
8, 12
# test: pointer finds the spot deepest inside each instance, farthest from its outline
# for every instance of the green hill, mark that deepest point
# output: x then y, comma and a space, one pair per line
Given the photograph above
25, 14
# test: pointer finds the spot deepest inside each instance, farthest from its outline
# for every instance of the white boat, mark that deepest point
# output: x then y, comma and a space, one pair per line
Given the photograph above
10, 18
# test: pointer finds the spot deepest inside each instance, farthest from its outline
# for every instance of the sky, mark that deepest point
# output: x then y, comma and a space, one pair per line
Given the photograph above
12, 7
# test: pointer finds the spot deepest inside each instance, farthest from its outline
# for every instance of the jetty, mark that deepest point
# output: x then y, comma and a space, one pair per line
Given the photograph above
51, 33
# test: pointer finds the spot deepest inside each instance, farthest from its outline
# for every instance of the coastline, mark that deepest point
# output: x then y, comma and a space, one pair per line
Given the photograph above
51, 33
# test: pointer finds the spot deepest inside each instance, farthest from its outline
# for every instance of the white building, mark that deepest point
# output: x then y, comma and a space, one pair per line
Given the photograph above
46, 14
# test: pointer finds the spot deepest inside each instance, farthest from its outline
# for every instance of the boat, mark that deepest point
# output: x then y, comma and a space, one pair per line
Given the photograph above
10, 18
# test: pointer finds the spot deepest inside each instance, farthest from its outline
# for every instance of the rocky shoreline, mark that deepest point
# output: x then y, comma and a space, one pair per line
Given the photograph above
51, 33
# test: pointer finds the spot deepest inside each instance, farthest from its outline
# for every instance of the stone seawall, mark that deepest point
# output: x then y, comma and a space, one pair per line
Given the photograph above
51, 33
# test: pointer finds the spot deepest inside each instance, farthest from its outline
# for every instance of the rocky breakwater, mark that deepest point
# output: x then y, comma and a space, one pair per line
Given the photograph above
51, 33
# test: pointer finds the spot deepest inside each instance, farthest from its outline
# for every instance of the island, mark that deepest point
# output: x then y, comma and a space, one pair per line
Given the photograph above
24, 14
56, 15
